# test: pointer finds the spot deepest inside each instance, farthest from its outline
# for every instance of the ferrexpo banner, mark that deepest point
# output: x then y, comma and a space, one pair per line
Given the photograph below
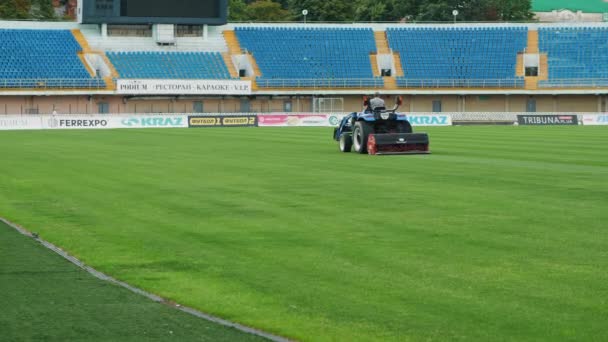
595, 120
429, 120
183, 87
75, 122
541, 120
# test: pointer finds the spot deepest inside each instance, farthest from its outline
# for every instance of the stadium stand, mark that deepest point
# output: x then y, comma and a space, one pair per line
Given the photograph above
169, 65
311, 57
577, 56
458, 57
42, 59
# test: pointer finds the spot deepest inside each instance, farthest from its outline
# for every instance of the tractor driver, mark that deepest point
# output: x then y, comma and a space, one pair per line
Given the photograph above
376, 102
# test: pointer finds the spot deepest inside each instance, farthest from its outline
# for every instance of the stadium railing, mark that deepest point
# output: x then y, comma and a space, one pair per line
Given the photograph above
574, 83
320, 83
62, 83
461, 83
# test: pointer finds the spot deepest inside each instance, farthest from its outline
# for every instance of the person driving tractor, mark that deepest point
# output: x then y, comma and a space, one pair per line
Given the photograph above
376, 102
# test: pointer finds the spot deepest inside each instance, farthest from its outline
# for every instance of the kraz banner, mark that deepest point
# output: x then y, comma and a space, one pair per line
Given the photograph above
157, 121
429, 120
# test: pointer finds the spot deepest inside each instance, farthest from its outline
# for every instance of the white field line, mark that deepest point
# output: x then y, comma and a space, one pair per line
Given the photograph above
141, 292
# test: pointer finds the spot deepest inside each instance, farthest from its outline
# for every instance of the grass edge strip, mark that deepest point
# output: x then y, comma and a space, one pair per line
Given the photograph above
102, 276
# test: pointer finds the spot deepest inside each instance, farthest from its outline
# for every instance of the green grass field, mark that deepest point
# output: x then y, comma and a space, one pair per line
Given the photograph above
500, 234
45, 298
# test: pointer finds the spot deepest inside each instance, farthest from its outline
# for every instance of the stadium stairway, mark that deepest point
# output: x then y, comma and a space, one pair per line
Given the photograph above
532, 41
256, 69
81, 40
373, 59
230, 65
234, 48
86, 49
543, 68
391, 82
398, 65
381, 42
531, 82
382, 48
519, 65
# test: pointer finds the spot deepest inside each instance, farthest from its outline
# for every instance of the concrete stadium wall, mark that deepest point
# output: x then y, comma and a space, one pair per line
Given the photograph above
301, 104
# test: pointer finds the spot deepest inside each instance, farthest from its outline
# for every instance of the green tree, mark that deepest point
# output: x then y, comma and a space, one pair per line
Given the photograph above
42, 9
397, 10
475, 10
237, 10
15, 9
370, 10
513, 10
267, 10
435, 11
22, 8
323, 10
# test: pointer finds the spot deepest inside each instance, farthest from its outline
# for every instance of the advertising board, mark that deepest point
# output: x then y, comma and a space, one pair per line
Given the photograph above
182, 87
595, 120
430, 120
223, 121
19, 122
155, 121
542, 120
294, 120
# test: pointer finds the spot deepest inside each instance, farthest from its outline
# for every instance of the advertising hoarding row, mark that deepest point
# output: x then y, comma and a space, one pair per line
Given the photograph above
21, 122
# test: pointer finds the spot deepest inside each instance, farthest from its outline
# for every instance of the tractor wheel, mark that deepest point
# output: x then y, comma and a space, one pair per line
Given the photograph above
346, 143
404, 127
360, 133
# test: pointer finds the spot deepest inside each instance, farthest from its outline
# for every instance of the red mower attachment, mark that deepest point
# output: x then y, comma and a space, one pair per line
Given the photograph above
398, 143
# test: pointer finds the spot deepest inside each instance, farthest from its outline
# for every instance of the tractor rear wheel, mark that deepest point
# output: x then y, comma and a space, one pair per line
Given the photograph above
360, 133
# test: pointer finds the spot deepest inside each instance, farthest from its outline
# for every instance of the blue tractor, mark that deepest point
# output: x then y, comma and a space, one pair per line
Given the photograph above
380, 131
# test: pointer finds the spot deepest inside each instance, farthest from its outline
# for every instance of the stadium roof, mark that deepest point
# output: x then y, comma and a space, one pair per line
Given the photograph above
589, 6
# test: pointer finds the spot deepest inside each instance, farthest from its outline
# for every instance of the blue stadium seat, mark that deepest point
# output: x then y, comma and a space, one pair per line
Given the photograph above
169, 65
577, 56
458, 56
311, 57
42, 59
